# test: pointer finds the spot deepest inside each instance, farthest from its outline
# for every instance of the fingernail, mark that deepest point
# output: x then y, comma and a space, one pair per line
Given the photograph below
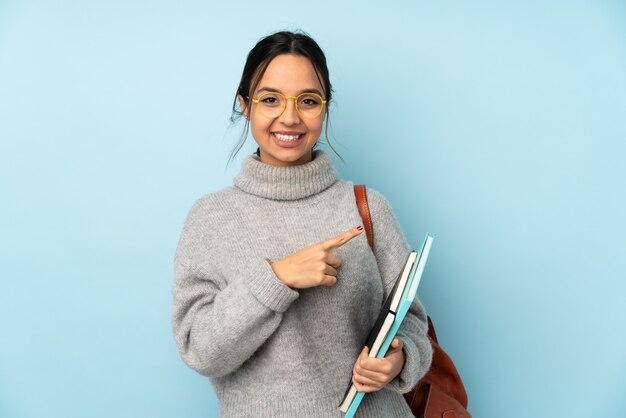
359, 228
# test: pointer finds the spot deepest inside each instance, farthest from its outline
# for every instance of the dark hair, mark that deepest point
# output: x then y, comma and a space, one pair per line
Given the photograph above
268, 48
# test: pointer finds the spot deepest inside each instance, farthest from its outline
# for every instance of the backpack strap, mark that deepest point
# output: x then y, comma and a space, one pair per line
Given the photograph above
364, 210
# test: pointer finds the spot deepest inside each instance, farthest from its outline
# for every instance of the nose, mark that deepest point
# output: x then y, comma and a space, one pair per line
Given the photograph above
290, 115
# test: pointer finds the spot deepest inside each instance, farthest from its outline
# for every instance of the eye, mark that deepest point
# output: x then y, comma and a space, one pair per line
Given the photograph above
310, 101
270, 100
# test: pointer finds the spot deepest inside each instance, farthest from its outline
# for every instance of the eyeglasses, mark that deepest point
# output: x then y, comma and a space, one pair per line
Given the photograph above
273, 104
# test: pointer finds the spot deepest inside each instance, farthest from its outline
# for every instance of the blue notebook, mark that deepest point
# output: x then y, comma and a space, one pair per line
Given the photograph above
408, 296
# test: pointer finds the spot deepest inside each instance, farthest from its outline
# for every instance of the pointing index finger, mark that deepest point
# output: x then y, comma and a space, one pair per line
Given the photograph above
341, 239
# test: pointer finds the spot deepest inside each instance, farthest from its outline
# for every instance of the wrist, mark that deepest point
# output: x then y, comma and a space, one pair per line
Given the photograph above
277, 269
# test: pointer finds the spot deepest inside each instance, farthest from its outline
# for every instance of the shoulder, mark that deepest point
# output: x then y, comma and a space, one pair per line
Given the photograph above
384, 220
378, 204
204, 221
213, 203
210, 209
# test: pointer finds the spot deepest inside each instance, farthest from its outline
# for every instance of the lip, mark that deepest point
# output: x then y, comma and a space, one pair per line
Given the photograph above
288, 144
288, 132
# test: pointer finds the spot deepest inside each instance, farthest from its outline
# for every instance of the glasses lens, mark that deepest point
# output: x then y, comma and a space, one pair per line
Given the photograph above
309, 105
272, 104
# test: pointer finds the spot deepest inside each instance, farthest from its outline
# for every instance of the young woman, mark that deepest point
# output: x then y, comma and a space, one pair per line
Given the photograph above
276, 287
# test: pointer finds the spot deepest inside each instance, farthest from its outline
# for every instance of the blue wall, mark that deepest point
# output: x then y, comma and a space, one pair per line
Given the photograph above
498, 128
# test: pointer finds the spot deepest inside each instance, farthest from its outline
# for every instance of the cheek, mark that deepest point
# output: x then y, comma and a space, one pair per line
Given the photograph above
314, 126
317, 128
259, 125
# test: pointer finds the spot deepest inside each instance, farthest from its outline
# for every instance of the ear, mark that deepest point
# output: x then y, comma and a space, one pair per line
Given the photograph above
243, 106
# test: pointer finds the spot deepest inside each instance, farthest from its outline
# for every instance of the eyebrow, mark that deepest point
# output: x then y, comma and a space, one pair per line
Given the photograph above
274, 90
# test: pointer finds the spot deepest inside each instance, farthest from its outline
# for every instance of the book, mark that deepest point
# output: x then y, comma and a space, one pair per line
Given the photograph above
383, 324
390, 307
392, 314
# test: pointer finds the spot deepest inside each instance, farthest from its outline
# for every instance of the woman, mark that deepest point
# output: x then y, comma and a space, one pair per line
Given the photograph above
276, 287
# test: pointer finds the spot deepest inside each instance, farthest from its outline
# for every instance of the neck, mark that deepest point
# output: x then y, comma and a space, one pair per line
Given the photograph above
267, 159
286, 182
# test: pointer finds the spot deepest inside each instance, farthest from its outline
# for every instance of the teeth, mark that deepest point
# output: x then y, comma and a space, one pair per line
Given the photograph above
287, 137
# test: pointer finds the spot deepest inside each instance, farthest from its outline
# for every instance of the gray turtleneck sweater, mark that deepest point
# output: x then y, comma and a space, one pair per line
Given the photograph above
273, 351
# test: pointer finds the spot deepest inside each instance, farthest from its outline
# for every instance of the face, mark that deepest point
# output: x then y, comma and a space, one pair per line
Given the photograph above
288, 139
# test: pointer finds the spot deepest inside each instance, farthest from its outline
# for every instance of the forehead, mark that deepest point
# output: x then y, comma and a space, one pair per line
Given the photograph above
290, 74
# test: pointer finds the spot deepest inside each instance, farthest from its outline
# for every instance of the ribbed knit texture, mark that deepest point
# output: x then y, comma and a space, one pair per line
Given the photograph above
273, 351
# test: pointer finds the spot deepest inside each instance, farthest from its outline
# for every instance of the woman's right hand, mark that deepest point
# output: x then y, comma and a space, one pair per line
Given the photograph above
314, 265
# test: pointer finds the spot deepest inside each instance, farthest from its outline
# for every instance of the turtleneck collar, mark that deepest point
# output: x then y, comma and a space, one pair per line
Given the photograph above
286, 183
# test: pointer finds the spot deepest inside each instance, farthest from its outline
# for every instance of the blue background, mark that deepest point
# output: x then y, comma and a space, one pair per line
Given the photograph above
498, 127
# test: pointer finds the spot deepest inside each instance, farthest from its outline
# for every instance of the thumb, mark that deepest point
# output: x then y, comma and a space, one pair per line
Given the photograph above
397, 344
364, 353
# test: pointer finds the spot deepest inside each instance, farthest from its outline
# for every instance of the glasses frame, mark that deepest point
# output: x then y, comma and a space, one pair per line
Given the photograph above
295, 98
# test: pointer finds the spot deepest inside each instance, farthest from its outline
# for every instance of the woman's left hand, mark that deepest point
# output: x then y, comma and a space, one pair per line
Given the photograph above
371, 374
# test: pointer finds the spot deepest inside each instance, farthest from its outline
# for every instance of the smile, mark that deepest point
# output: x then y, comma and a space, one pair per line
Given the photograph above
287, 138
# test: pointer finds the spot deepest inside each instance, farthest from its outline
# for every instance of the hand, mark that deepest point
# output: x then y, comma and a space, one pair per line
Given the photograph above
314, 265
371, 374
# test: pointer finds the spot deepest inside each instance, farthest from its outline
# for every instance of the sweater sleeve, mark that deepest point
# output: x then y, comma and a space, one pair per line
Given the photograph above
219, 324
391, 250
